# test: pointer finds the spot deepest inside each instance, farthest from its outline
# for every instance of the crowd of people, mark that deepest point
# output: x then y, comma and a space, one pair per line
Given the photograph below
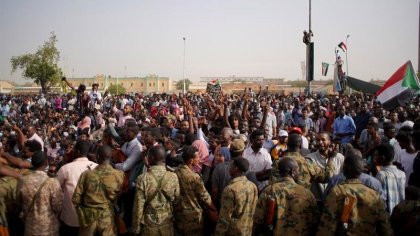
87, 163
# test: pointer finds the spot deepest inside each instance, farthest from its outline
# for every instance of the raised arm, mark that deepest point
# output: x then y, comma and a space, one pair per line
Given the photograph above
68, 83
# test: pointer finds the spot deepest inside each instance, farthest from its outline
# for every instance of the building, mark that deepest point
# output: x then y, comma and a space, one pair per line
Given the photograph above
232, 79
6, 87
148, 84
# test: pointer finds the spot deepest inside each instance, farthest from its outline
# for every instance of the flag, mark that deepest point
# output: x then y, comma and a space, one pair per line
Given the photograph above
399, 88
343, 46
325, 68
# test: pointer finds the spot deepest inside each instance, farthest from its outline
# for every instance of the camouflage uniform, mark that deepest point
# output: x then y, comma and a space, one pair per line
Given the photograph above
93, 197
309, 171
296, 211
188, 212
7, 198
43, 218
367, 217
239, 199
405, 218
153, 215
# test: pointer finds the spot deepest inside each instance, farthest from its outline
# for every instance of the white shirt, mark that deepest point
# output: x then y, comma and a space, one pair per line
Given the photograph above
68, 176
305, 143
258, 161
318, 189
71, 103
123, 102
38, 139
407, 161
95, 96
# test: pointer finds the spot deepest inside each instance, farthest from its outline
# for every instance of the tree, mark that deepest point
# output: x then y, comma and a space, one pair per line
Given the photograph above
180, 84
41, 66
117, 89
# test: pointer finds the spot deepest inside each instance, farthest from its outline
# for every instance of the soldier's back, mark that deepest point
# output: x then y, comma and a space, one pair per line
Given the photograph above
239, 199
296, 209
368, 215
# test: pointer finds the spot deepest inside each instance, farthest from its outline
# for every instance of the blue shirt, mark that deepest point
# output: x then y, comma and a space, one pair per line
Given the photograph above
393, 183
344, 125
366, 179
361, 121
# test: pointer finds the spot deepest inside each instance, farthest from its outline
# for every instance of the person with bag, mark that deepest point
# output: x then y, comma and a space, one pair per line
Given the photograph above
352, 208
194, 198
156, 192
95, 195
41, 199
239, 199
286, 207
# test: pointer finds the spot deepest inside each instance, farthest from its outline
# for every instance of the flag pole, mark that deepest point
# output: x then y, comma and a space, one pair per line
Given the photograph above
347, 61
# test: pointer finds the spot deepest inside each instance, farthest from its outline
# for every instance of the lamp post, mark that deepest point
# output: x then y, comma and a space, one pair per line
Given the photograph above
183, 68
309, 52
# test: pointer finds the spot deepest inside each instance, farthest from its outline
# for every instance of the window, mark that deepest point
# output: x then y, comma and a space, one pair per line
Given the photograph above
141, 84
163, 84
131, 84
150, 84
153, 84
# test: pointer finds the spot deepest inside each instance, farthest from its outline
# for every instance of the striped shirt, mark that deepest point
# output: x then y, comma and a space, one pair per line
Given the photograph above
393, 184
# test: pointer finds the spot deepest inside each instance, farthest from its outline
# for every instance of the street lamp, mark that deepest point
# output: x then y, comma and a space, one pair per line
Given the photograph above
309, 51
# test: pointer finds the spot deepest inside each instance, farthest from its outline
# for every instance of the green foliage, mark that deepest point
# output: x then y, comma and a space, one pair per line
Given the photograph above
180, 84
42, 66
116, 89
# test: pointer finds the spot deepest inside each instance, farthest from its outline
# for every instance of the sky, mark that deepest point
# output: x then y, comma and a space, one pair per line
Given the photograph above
223, 37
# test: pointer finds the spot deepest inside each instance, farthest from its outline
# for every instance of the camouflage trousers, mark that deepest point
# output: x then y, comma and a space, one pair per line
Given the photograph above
161, 230
189, 223
103, 226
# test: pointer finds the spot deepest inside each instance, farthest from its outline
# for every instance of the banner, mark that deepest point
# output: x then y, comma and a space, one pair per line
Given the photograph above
214, 88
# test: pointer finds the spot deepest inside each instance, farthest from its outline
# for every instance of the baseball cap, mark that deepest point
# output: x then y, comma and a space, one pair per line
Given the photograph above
283, 133
237, 145
295, 130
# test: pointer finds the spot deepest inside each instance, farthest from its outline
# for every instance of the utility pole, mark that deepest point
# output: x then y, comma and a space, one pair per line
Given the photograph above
309, 51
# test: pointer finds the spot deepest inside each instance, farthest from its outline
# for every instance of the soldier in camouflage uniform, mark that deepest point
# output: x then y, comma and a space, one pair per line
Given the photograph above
8, 183
188, 212
367, 216
156, 191
295, 211
95, 195
239, 199
41, 199
309, 171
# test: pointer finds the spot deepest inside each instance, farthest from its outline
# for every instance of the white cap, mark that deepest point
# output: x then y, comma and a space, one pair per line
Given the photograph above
283, 133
